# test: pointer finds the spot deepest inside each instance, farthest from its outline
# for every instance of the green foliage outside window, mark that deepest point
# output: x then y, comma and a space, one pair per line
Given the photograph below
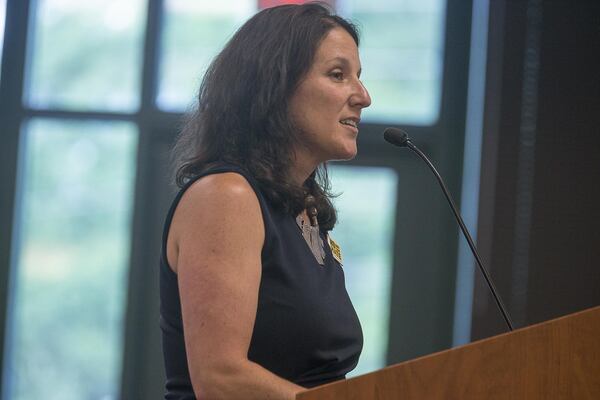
72, 259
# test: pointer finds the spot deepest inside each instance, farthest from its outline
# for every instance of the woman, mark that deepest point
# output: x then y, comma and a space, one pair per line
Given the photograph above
253, 302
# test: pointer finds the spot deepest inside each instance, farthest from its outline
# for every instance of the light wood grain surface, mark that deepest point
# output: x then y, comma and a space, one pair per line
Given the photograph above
557, 359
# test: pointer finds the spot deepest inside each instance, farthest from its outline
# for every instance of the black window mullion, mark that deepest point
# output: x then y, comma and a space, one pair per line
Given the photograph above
150, 62
11, 115
76, 115
141, 377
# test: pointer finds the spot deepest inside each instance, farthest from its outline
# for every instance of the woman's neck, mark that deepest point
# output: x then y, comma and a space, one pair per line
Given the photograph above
302, 168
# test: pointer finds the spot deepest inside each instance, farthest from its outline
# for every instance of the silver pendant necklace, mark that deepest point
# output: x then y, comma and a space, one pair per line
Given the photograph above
309, 226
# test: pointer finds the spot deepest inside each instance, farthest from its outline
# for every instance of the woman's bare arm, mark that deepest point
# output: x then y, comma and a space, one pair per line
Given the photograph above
215, 243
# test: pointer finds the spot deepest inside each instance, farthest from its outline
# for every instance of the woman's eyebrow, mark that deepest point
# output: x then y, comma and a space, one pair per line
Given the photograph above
341, 60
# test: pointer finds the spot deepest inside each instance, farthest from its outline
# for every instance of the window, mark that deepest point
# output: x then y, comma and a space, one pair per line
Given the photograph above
401, 52
71, 262
366, 213
85, 137
193, 34
72, 222
86, 55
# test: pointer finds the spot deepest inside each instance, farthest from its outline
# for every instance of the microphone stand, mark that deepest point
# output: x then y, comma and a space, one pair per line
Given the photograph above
485, 273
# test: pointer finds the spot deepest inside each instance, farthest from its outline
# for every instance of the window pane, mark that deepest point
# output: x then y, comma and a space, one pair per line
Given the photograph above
73, 238
194, 32
365, 229
86, 55
402, 54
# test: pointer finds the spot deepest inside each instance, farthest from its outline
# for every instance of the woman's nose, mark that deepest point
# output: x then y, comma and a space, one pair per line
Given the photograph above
361, 96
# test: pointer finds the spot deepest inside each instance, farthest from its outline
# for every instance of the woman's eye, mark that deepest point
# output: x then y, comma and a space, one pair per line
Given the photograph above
338, 75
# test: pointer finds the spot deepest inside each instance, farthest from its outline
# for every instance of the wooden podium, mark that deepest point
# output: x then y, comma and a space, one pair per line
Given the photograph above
557, 359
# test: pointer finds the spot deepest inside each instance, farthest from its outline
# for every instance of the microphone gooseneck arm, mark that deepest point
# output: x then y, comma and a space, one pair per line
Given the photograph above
399, 138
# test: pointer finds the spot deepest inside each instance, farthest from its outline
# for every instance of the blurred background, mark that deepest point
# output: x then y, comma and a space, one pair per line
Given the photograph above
503, 95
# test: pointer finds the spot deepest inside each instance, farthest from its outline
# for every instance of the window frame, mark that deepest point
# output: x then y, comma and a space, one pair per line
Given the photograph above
426, 259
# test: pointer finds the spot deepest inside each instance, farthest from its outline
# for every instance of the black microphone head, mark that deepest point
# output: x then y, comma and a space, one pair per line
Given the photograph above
395, 136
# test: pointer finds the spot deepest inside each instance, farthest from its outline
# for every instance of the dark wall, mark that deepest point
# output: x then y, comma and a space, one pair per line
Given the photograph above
539, 225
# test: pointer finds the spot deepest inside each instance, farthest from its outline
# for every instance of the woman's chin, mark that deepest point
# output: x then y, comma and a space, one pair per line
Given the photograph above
347, 153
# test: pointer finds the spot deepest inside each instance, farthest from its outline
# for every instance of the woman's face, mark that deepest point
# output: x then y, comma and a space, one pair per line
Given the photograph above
327, 104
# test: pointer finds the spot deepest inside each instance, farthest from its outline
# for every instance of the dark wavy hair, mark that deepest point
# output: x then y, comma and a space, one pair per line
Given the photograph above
242, 113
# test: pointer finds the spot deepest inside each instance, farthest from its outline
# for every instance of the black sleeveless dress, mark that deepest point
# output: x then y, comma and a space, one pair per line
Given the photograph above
306, 329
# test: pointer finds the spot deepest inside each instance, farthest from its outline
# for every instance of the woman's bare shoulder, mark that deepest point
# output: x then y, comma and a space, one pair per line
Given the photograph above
227, 194
222, 184
215, 207
218, 191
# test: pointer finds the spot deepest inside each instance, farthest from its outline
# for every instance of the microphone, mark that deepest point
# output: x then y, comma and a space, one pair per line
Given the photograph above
399, 138
396, 136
